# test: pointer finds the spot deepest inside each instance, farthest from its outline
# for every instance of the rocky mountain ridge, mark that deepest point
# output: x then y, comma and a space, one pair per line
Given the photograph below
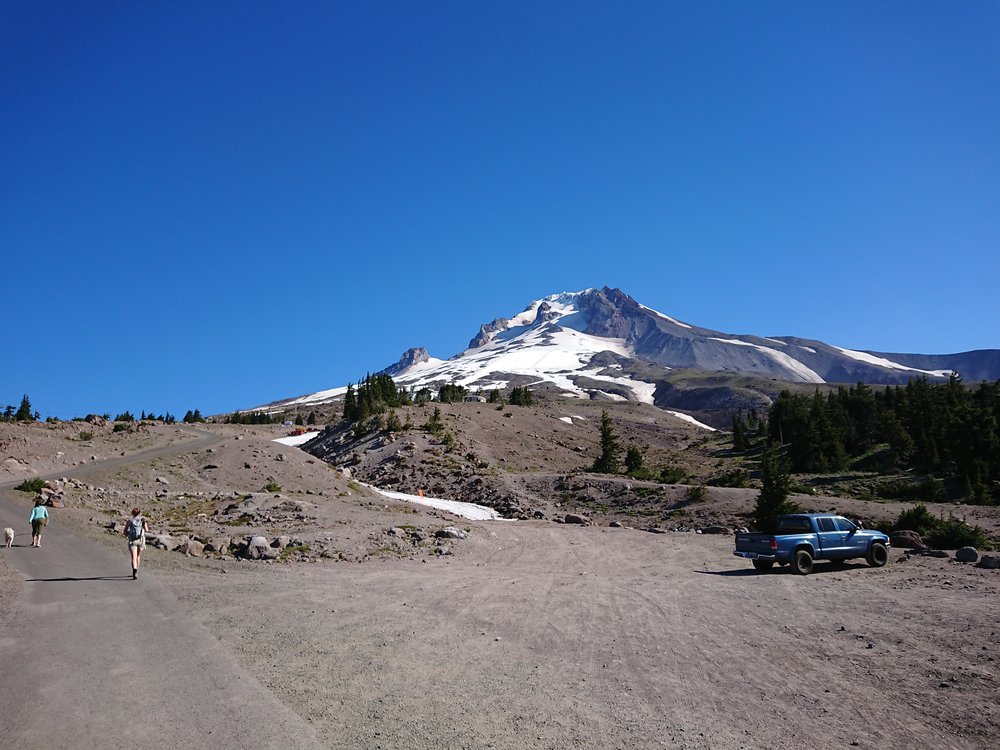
603, 344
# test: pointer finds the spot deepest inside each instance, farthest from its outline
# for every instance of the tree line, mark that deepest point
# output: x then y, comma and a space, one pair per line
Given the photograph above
945, 431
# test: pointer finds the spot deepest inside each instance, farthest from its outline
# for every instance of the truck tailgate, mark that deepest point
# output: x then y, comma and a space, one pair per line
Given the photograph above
759, 544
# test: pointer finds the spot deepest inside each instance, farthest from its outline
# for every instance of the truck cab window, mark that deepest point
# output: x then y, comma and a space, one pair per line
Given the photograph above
844, 525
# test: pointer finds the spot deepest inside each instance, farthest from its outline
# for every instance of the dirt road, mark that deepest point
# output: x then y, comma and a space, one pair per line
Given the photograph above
93, 659
541, 636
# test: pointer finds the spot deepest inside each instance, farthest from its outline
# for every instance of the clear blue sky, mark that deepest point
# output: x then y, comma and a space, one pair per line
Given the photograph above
214, 205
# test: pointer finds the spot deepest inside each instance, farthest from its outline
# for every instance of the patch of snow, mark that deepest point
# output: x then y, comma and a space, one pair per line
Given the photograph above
665, 317
567, 420
314, 398
692, 420
789, 363
612, 396
576, 417
871, 359
466, 510
775, 341
808, 349
294, 440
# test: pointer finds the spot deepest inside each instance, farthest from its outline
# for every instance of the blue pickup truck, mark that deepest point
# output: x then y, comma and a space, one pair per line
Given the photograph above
804, 537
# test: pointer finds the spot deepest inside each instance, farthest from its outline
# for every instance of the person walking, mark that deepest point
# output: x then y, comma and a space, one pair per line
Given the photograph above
135, 532
39, 518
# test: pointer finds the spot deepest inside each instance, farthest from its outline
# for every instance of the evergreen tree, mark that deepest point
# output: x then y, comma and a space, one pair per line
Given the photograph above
298, 420
607, 462
520, 396
772, 501
24, 413
350, 404
392, 423
311, 419
739, 435
450, 393
633, 460
434, 423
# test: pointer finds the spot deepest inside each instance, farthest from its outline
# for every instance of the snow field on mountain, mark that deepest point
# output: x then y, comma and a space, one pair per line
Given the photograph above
871, 359
789, 363
466, 510
296, 440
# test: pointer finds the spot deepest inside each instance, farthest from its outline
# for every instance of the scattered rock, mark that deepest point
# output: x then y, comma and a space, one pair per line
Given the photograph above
715, 530
281, 542
192, 548
574, 518
990, 561
906, 539
967, 554
218, 544
160, 541
615, 525
450, 532
162, 480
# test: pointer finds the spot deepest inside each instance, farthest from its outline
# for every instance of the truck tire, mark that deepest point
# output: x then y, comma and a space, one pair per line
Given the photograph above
802, 562
877, 555
763, 565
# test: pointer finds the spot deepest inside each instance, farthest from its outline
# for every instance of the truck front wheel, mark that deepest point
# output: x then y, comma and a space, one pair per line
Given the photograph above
763, 565
802, 562
878, 555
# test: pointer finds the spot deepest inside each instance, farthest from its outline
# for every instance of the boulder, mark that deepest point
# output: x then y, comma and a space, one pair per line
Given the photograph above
95, 419
967, 554
218, 544
574, 518
936, 553
615, 525
162, 480
451, 532
990, 561
160, 541
192, 548
715, 530
281, 542
906, 539
258, 548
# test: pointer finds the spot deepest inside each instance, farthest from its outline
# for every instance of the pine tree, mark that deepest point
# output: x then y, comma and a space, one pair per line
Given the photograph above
607, 462
772, 501
24, 413
434, 424
311, 419
739, 435
633, 460
350, 404
298, 420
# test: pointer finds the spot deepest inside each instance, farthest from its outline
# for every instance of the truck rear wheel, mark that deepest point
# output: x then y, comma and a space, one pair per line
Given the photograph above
877, 555
763, 565
802, 562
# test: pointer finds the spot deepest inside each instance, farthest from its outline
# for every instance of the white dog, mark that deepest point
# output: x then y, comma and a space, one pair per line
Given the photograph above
8, 535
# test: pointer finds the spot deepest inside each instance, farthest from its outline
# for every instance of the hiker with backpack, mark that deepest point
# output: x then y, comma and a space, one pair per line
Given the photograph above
135, 532
39, 518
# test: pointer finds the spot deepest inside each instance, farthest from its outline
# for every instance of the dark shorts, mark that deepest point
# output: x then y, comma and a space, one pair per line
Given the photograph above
37, 525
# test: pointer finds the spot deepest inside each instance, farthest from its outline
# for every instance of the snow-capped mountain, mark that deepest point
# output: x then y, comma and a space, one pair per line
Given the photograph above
601, 343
